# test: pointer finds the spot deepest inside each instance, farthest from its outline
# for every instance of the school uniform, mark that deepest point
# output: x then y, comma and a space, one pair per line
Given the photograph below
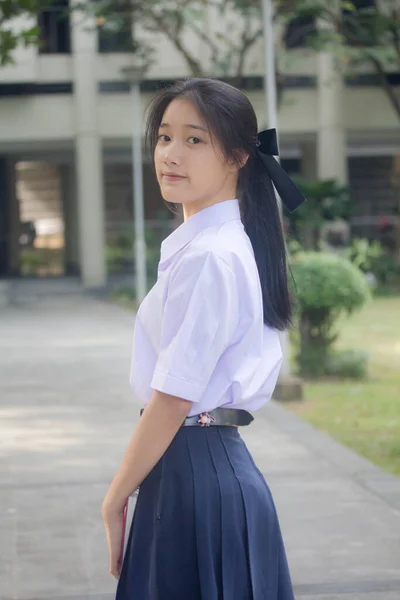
205, 525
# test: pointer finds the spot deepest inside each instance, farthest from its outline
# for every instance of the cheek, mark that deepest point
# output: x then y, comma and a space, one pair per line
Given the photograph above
157, 160
208, 172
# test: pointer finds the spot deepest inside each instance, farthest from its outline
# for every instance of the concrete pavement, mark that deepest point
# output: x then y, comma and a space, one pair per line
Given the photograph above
66, 414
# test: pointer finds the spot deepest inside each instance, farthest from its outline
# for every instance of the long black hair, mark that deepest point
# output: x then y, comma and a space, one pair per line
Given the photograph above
231, 119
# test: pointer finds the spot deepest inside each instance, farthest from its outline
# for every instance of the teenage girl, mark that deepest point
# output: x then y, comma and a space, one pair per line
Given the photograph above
206, 354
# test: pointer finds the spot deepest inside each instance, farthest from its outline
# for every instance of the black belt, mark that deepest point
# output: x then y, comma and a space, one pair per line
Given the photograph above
219, 416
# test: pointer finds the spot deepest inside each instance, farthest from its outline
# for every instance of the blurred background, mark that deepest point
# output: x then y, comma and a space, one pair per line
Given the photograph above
66, 121
76, 77
80, 208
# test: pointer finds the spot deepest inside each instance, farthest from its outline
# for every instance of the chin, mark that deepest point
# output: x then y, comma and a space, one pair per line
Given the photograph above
173, 198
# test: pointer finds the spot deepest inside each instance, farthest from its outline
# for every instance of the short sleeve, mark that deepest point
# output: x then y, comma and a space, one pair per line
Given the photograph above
199, 320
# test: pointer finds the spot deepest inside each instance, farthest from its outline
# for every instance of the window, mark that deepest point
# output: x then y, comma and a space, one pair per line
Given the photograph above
359, 23
298, 28
360, 4
54, 28
119, 41
118, 38
297, 31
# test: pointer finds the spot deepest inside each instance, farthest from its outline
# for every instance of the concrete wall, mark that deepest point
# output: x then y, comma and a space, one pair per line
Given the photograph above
84, 129
51, 118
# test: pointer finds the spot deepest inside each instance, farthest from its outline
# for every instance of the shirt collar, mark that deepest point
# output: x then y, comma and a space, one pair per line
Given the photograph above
216, 214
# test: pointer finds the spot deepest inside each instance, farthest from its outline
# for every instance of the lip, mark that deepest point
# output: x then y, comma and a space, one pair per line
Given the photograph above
172, 177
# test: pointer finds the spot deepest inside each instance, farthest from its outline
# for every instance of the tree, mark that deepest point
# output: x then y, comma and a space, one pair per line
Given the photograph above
326, 201
359, 32
326, 286
175, 19
10, 38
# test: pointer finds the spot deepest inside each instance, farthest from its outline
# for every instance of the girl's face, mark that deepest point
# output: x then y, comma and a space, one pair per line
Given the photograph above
191, 169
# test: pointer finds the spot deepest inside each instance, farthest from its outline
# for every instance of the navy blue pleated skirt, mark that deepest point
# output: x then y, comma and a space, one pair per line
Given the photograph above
205, 526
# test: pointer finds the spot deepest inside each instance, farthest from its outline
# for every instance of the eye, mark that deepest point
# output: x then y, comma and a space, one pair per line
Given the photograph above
196, 140
162, 138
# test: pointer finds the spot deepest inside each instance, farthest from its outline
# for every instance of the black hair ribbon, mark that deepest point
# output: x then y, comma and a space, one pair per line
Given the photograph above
267, 148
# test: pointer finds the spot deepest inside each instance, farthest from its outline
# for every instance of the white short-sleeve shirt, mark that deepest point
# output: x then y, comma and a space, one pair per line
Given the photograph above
199, 333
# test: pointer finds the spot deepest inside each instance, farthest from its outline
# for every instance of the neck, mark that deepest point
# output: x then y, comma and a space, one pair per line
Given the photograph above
191, 208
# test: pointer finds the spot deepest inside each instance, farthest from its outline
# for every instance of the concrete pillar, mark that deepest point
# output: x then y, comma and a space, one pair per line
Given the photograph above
309, 160
4, 228
88, 155
69, 201
331, 135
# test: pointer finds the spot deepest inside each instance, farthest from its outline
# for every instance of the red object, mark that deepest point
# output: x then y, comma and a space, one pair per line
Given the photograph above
383, 222
121, 554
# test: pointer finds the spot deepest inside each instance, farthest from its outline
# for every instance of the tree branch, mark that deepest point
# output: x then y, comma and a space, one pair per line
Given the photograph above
247, 42
395, 30
299, 34
389, 89
194, 65
203, 37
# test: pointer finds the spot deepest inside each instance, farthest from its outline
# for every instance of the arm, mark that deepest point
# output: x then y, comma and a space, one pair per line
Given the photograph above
199, 319
155, 431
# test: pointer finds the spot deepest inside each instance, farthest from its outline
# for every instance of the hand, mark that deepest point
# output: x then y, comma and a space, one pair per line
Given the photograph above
113, 523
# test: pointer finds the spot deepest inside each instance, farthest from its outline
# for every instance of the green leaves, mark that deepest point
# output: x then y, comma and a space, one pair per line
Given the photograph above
328, 281
10, 35
348, 6
9, 9
326, 285
8, 42
326, 200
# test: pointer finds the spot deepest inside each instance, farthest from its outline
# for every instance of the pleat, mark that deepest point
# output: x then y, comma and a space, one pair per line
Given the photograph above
176, 574
140, 551
236, 582
284, 582
207, 515
205, 526
269, 572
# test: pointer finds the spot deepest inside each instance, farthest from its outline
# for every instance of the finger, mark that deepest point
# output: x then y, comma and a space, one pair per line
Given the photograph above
115, 569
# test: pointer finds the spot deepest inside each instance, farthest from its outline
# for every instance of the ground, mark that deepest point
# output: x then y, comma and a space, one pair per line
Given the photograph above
66, 415
364, 415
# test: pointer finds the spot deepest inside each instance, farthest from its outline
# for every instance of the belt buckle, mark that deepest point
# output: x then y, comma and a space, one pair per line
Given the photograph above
205, 419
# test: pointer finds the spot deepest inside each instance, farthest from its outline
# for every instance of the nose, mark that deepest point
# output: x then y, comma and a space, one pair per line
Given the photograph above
172, 154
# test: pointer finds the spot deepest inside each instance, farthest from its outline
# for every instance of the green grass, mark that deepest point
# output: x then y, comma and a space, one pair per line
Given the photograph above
364, 415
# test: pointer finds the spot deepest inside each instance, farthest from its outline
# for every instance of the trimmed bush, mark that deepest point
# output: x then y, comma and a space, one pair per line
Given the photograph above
326, 286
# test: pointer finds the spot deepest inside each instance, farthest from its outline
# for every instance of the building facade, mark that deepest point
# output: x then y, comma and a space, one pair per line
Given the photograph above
65, 140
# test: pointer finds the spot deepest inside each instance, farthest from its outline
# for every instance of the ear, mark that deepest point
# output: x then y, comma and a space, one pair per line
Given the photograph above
239, 160
243, 160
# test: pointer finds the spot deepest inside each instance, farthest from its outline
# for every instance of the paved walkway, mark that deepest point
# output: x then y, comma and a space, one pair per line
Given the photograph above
66, 414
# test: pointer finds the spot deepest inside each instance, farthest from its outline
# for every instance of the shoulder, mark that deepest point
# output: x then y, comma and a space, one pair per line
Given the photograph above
205, 287
202, 263
227, 246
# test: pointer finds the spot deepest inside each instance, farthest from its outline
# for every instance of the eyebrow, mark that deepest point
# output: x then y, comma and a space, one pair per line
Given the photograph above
188, 126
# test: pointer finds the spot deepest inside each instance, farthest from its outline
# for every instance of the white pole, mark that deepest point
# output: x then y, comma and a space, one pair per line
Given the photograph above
137, 171
272, 122
269, 65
